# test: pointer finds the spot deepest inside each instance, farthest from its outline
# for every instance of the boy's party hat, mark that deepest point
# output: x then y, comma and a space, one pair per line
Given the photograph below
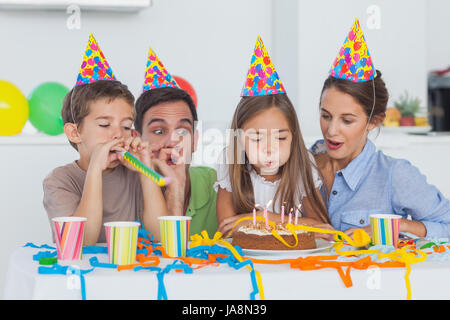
353, 61
262, 78
94, 66
156, 75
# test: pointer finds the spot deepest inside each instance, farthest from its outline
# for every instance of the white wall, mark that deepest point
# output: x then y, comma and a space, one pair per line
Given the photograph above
397, 48
208, 42
438, 26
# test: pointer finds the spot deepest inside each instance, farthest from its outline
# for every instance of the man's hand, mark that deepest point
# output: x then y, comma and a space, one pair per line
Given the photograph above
175, 192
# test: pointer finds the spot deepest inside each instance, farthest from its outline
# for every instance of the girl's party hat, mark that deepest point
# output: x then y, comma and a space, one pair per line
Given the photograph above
156, 75
94, 66
353, 61
262, 78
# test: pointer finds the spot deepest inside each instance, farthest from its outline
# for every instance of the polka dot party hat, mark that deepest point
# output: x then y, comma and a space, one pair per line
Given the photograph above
94, 66
262, 78
156, 75
353, 61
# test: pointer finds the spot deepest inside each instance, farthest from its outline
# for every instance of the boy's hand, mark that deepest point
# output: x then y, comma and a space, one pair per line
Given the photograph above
104, 154
139, 149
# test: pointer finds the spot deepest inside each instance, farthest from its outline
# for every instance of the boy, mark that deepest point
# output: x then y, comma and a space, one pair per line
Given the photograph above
98, 114
100, 185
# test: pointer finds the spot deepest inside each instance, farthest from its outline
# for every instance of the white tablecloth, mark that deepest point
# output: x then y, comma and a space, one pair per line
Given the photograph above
429, 280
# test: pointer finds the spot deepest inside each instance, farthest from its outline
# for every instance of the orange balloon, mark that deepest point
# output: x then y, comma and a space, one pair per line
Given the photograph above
186, 86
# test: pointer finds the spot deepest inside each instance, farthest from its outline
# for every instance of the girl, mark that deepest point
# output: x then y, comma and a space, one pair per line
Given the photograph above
267, 160
358, 180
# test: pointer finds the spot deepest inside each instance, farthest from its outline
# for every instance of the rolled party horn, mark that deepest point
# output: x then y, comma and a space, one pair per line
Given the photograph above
385, 229
145, 170
69, 237
174, 234
121, 240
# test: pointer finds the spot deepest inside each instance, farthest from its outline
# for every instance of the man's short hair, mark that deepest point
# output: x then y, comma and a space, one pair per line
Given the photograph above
154, 97
76, 104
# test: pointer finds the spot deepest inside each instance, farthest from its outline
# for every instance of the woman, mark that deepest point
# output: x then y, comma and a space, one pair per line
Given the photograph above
360, 181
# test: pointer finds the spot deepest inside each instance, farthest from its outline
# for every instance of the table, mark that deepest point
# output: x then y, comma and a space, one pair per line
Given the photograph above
429, 280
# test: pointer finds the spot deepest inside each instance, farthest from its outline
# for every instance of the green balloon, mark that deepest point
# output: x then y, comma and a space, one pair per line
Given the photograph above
45, 103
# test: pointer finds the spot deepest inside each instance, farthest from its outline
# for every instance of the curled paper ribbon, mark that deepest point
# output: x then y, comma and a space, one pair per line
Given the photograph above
360, 237
407, 257
203, 239
58, 269
44, 246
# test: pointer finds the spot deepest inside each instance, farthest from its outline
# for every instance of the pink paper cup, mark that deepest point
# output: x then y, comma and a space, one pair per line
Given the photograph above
69, 237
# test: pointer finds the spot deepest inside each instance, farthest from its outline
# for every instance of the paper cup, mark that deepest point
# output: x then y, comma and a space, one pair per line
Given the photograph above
69, 237
121, 239
174, 234
385, 228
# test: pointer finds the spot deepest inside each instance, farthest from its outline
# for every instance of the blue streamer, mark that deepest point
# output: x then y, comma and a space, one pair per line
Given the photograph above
58, 269
203, 251
95, 249
44, 254
176, 265
96, 264
44, 246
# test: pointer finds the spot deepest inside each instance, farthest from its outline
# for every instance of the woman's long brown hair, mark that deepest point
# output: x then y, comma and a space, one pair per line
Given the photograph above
298, 166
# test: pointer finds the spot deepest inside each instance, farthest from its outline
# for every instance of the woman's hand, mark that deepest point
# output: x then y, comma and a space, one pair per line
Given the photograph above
324, 236
367, 229
415, 227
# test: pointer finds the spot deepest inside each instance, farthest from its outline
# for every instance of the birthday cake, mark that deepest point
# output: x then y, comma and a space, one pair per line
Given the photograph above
258, 237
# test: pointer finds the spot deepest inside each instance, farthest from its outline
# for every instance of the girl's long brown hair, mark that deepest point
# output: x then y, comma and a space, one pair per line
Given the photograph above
298, 166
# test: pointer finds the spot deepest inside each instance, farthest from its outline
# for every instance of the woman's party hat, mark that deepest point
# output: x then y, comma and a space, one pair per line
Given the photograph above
262, 78
156, 75
353, 61
94, 66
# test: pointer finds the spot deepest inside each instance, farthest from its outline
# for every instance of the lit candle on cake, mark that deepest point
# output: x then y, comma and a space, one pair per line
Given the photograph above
254, 213
282, 213
265, 214
297, 212
290, 215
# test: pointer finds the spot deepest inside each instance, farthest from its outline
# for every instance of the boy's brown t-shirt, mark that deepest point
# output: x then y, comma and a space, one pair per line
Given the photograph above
122, 194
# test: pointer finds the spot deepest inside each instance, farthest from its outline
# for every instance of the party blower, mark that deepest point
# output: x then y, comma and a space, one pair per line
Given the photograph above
146, 171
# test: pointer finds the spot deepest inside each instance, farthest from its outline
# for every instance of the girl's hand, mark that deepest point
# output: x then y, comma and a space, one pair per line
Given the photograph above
227, 224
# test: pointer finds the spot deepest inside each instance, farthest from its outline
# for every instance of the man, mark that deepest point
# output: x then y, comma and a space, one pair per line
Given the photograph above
166, 118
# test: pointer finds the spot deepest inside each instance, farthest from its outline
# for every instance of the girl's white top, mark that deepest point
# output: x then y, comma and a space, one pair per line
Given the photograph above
263, 190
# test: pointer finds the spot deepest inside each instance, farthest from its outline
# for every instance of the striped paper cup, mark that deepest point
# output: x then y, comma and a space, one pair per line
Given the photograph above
69, 237
121, 239
385, 229
174, 234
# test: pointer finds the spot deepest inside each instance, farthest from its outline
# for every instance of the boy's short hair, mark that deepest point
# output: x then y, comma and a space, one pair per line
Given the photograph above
76, 104
154, 97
